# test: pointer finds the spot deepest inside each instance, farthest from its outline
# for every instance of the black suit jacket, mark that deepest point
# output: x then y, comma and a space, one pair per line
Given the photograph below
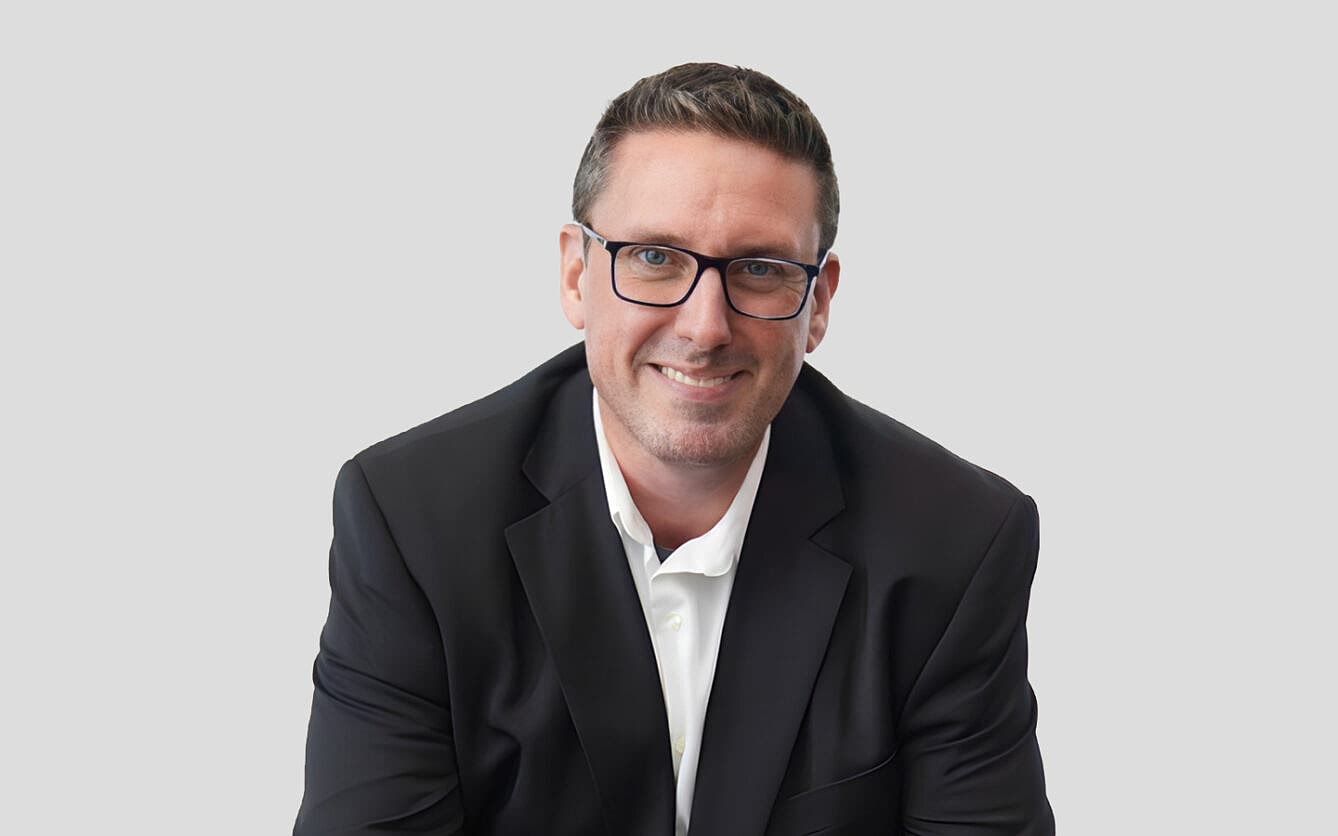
485, 667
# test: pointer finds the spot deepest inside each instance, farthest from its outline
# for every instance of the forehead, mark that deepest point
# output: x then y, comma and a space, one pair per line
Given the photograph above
717, 193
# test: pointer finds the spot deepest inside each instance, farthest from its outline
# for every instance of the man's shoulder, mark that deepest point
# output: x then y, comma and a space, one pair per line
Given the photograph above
912, 509
880, 456
490, 430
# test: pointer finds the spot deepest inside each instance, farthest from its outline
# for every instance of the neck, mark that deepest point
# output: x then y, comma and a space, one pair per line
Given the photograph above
678, 501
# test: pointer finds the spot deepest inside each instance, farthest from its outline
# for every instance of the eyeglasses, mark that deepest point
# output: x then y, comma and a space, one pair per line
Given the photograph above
662, 276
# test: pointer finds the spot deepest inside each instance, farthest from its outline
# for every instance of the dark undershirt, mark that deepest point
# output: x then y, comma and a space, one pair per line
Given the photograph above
663, 552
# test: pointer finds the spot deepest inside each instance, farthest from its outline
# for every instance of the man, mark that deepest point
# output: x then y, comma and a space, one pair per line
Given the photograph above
673, 578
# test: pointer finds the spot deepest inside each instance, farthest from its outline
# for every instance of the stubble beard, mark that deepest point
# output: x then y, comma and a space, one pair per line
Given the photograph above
696, 434
688, 433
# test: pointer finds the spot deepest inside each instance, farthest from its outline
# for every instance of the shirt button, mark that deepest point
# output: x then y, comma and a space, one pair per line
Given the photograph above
675, 621
679, 744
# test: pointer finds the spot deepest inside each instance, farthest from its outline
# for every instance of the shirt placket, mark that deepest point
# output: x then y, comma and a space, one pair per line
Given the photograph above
674, 624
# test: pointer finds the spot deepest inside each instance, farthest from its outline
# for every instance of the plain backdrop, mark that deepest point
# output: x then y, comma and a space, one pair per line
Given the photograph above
1089, 246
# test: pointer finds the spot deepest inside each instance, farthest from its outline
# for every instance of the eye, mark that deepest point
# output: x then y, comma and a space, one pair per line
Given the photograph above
758, 268
653, 257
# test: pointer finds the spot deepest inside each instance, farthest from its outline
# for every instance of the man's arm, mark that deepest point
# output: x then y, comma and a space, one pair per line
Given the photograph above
969, 727
380, 756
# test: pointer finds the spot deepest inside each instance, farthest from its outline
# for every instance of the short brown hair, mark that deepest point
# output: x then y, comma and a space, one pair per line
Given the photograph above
733, 102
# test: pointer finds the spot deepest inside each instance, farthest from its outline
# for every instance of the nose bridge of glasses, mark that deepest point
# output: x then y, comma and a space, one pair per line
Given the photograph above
715, 284
706, 262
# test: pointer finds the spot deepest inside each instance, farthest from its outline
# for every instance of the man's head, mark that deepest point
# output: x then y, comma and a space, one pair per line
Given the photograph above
725, 162
725, 101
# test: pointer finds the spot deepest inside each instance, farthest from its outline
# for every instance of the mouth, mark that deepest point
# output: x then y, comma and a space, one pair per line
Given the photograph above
700, 382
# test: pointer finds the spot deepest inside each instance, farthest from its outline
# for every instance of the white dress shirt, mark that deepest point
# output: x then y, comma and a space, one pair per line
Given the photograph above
684, 600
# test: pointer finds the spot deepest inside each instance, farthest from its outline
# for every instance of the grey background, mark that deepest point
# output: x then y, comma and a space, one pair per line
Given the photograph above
1087, 246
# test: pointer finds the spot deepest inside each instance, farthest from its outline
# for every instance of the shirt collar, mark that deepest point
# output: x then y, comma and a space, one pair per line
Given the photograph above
713, 553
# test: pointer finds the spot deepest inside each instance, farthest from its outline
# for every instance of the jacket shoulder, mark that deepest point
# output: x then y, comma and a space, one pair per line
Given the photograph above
507, 415
917, 517
471, 451
890, 470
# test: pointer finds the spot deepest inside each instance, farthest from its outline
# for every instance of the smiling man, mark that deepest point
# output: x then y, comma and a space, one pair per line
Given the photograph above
673, 580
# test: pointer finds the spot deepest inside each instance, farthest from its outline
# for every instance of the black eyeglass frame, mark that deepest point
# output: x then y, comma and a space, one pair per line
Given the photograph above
705, 262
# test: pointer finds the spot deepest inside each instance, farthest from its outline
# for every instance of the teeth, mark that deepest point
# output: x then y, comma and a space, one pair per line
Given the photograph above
675, 374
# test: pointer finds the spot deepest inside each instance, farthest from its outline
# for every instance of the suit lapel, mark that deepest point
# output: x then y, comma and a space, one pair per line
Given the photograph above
572, 566
787, 591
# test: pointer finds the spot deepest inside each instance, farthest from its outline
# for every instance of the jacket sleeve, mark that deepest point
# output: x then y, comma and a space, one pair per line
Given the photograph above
969, 727
380, 757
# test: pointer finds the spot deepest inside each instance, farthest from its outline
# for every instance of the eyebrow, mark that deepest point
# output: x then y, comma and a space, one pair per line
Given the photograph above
772, 250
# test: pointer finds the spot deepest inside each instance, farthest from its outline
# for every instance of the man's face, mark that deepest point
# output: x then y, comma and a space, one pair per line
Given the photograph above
722, 197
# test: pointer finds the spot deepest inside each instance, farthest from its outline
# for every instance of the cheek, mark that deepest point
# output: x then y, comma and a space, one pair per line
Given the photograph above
621, 334
609, 346
785, 348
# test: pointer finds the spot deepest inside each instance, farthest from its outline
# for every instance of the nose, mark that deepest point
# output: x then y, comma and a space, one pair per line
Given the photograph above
705, 317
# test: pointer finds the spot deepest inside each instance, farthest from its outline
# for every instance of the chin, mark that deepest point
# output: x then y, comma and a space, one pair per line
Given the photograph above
701, 446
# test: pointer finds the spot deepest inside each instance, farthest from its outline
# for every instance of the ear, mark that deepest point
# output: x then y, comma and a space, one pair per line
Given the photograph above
824, 288
571, 271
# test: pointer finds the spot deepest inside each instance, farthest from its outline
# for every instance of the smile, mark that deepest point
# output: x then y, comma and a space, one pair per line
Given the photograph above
706, 383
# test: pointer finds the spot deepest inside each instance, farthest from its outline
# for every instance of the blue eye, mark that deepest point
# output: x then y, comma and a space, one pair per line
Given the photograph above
655, 258
757, 268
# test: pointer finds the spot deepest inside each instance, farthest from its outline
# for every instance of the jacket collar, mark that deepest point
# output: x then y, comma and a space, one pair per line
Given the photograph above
786, 595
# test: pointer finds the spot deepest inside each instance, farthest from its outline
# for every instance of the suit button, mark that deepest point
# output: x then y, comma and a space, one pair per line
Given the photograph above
675, 622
